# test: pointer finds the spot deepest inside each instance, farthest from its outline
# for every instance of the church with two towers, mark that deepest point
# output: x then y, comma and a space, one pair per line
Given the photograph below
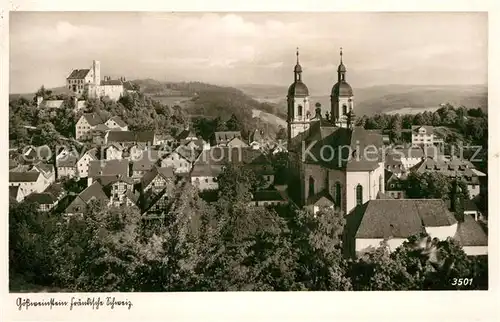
332, 162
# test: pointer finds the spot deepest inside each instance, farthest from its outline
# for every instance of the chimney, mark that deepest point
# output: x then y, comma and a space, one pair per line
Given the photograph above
39, 100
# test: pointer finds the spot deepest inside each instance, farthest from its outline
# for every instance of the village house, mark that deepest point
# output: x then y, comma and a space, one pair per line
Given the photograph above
79, 205
423, 135
28, 181
67, 166
454, 167
198, 144
320, 201
130, 137
116, 188
107, 168
223, 138
181, 160
144, 164
98, 134
471, 236
395, 185
187, 135
157, 179
209, 165
393, 221
113, 151
17, 193
87, 123
84, 163
116, 123
46, 201
268, 198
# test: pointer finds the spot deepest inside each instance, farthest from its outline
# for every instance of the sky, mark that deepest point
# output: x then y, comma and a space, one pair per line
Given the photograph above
250, 48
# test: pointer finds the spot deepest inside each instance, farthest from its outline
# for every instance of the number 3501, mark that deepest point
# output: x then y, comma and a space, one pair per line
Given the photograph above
461, 281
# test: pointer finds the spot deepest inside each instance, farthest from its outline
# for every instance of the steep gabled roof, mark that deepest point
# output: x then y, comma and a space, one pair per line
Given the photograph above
429, 129
113, 82
108, 168
78, 73
321, 199
96, 191
30, 176
165, 172
402, 218
43, 198
118, 121
268, 195
226, 136
470, 233
93, 119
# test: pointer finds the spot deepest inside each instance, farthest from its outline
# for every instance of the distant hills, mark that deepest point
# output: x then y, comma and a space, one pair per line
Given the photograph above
267, 103
386, 98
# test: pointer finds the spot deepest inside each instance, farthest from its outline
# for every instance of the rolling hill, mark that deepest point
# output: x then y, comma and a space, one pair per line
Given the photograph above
385, 98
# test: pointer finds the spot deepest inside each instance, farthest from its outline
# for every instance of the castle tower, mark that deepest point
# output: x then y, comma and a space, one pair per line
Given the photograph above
342, 99
299, 114
96, 69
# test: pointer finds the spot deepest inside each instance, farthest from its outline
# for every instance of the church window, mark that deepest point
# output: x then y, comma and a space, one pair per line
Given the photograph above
311, 186
299, 110
359, 195
338, 194
344, 109
380, 183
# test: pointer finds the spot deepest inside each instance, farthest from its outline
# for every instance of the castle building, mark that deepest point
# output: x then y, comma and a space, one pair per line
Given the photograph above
331, 161
89, 81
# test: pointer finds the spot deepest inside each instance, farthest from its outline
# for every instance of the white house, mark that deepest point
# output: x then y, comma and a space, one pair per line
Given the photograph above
87, 123
394, 220
116, 123
84, 163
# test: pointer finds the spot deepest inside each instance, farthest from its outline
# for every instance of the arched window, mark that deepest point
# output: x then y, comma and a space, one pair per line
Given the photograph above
344, 109
359, 195
338, 194
311, 186
380, 183
299, 110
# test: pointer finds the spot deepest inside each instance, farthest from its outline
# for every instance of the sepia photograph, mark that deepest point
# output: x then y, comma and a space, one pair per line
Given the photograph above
247, 151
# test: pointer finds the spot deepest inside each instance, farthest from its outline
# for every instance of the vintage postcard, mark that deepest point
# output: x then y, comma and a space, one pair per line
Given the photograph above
267, 152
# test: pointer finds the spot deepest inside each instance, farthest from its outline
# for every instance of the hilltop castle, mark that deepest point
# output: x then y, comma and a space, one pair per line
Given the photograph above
89, 81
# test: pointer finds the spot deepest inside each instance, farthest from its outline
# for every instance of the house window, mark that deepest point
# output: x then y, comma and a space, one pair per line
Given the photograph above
311, 186
359, 195
206, 180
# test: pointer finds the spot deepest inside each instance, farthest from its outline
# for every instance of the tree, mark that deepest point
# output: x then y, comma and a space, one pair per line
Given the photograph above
427, 185
436, 119
396, 126
281, 135
30, 237
318, 241
233, 124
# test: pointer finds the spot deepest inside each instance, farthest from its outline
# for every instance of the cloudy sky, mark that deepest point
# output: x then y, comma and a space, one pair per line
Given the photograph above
250, 48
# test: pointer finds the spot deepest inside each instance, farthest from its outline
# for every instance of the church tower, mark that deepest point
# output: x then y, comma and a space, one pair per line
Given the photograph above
342, 103
299, 114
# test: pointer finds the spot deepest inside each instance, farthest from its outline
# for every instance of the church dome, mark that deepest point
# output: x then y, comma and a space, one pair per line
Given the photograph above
297, 69
341, 68
298, 89
342, 89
